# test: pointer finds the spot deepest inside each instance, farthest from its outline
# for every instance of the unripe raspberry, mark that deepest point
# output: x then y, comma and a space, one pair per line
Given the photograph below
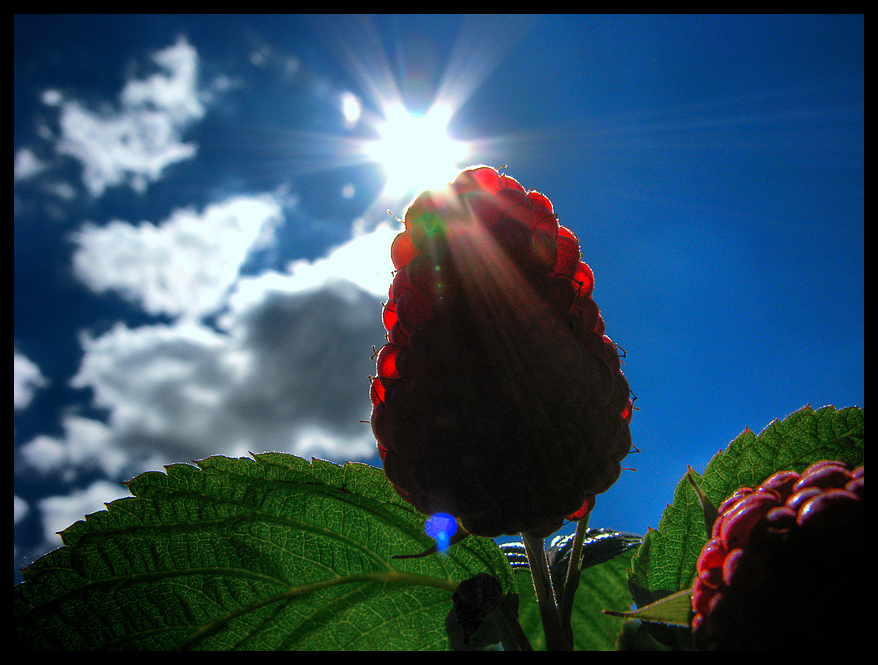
783, 564
498, 397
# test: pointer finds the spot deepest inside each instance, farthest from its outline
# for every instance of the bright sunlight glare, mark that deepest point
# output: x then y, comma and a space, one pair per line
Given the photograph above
415, 151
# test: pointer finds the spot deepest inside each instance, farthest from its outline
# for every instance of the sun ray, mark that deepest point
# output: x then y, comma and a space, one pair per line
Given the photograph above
414, 149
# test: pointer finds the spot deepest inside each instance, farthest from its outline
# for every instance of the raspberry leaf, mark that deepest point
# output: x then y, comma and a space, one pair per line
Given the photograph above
665, 562
707, 508
673, 610
598, 546
268, 553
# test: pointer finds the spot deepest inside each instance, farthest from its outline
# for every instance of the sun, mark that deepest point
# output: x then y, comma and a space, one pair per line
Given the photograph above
382, 111
415, 151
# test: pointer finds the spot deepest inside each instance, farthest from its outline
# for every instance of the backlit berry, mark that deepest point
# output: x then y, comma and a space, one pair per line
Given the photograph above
498, 398
783, 564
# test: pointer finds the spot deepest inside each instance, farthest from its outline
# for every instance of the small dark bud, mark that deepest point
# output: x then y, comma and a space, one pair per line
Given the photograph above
474, 600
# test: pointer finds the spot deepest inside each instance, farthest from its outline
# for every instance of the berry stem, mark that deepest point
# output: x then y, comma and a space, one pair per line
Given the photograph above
572, 582
539, 569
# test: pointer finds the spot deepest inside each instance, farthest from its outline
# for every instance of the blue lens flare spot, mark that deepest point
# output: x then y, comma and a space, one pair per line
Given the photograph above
441, 527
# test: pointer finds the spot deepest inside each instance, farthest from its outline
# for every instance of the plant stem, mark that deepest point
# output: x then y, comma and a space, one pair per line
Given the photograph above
539, 569
572, 582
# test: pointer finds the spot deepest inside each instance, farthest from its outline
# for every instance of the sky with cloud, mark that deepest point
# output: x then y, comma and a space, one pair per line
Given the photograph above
201, 227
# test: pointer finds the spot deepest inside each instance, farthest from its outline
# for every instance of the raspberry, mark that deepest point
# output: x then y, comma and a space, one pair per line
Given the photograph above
784, 563
498, 399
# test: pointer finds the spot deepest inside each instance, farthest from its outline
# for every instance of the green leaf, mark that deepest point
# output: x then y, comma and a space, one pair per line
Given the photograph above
268, 553
674, 610
598, 546
665, 562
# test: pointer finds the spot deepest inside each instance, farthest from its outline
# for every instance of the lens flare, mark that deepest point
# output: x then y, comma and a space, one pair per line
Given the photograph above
415, 151
441, 528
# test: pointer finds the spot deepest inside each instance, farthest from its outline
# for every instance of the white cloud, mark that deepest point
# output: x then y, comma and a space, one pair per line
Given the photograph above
286, 368
133, 144
85, 446
52, 97
161, 383
184, 265
290, 374
363, 261
19, 509
26, 165
26, 380
175, 91
130, 148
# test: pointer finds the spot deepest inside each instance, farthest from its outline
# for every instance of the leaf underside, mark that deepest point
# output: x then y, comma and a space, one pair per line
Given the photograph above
277, 553
265, 553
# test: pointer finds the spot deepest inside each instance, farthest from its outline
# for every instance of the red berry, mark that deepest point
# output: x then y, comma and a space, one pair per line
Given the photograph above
779, 560
823, 475
829, 508
498, 399
781, 482
743, 516
710, 562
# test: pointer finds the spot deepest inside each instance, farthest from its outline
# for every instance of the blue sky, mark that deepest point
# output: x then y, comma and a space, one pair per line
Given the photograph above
201, 237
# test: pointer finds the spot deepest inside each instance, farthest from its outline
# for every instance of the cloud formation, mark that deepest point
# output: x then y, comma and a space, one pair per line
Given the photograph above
132, 142
290, 375
235, 363
284, 367
184, 265
26, 380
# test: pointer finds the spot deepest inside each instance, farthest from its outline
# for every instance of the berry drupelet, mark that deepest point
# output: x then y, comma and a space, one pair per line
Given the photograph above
784, 564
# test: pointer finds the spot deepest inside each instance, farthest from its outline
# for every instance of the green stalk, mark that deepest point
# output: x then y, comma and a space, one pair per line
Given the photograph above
572, 582
539, 569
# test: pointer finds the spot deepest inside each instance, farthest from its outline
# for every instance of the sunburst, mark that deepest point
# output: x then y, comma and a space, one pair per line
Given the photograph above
415, 151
